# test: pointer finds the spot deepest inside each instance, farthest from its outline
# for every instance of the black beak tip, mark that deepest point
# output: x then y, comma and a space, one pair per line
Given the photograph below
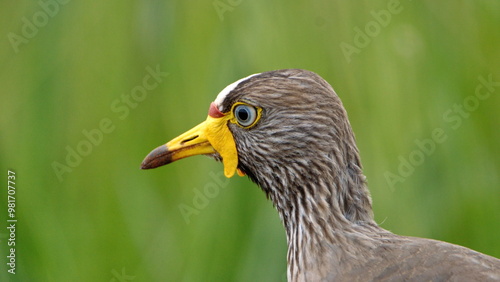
145, 165
158, 157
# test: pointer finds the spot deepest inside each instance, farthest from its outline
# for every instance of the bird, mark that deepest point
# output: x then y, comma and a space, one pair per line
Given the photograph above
288, 131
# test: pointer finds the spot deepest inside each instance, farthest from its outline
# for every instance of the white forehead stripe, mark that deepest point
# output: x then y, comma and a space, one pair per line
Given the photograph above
222, 95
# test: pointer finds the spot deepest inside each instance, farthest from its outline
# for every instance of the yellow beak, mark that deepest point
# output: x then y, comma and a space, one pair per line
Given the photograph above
211, 136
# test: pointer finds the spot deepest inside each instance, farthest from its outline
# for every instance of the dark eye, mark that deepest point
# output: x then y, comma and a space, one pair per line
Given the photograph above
245, 115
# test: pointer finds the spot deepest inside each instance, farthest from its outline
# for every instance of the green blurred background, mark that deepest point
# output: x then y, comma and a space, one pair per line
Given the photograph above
106, 220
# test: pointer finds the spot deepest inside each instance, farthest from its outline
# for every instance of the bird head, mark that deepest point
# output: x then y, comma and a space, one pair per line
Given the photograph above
286, 129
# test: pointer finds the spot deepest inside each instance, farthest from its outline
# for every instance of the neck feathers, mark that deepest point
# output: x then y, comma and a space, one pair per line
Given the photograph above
326, 191
320, 214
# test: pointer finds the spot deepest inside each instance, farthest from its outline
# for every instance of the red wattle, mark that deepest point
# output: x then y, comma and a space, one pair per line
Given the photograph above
214, 111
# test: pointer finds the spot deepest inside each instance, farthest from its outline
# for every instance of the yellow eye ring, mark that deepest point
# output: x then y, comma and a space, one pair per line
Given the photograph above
245, 115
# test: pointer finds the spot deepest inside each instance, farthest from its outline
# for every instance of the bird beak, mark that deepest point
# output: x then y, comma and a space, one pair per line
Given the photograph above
209, 137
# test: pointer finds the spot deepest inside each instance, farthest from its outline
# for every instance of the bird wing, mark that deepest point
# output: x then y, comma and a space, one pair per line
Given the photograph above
418, 259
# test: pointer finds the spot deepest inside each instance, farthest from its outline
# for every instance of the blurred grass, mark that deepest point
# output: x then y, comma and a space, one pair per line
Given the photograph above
107, 216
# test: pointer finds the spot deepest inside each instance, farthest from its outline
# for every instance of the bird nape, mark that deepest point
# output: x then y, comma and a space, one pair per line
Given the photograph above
289, 132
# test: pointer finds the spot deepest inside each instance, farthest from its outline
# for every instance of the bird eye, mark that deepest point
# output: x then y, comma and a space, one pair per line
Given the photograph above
245, 115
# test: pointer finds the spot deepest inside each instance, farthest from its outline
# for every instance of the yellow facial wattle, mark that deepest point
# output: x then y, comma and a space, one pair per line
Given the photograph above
222, 140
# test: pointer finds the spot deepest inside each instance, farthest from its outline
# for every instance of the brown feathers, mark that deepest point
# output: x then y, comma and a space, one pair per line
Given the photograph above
303, 155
